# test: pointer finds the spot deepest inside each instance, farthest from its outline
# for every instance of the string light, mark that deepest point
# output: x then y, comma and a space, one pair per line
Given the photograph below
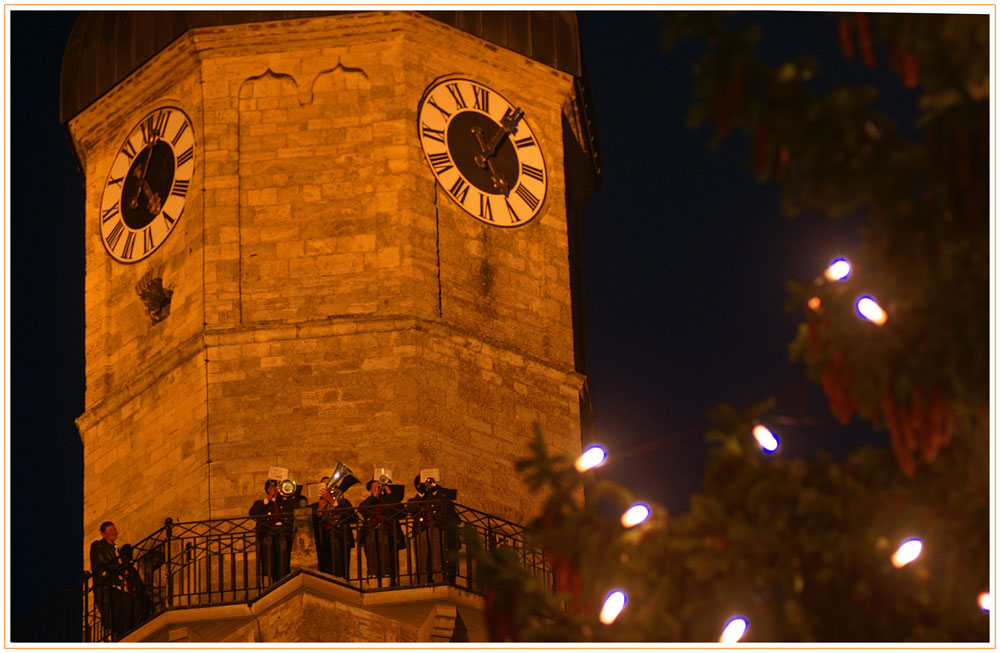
871, 311
591, 458
907, 552
985, 601
838, 270
613, 605
767, 440
734, 630
635, 515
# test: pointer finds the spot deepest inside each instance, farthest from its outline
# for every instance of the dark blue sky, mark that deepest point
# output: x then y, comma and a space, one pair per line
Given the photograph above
686, 259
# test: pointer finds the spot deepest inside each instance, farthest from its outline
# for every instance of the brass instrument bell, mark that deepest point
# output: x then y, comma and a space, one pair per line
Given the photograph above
341, 480
286, 488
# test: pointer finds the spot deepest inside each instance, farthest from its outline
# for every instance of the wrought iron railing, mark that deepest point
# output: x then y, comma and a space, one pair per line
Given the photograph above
226, 561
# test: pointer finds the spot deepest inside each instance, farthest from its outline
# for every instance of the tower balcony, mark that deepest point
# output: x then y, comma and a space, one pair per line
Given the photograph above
211, 581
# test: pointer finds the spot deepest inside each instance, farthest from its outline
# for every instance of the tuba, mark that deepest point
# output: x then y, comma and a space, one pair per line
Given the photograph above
341, 480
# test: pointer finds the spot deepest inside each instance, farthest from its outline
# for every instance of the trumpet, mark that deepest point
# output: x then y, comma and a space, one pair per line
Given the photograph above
287, 487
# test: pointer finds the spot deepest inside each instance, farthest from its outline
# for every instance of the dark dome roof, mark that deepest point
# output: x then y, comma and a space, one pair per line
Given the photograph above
104, 47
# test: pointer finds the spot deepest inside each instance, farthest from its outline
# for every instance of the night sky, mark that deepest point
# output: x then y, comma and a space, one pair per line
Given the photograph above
686, 259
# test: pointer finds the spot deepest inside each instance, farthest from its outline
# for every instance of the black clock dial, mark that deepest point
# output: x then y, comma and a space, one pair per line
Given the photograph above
483, 152
464, 148
147, 186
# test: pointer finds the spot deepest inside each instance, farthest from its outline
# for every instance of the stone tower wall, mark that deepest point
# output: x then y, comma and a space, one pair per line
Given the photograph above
331, 301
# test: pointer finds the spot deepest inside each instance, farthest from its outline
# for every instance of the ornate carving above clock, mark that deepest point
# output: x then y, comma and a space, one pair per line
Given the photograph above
482, 151
147, 185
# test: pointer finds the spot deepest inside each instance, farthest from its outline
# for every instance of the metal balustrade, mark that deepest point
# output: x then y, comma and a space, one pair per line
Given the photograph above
215, 562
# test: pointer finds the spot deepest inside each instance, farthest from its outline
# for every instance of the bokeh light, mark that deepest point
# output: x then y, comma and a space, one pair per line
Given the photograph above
907, 552
871, 311
734, 630
767, 440
985, 601
838, 270
815, 303
592, 457
635, 515
613, 605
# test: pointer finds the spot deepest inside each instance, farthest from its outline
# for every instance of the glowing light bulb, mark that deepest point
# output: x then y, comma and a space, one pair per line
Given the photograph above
907, 552
635, 515
734, 630
871, 311
985, 601
590, 458
838, 270
613, 605
767, 441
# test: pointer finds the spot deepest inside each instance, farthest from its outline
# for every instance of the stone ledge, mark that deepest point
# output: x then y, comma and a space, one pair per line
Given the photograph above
218, 336
419, 608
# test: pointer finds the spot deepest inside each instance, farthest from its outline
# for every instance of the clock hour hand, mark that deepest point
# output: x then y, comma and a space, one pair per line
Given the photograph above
141, 176
486, 161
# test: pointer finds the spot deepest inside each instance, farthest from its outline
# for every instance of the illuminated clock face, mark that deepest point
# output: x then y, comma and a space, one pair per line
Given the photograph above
483, 152
148, 185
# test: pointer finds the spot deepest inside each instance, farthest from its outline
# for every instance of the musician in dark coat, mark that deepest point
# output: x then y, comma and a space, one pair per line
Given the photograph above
273, 532
434, 522
380, 533
332, 520
137, 605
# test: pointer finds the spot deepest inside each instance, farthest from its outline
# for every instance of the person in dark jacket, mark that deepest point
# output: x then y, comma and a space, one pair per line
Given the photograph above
380, 533
433, 522
333, 517
105, 567
273, 532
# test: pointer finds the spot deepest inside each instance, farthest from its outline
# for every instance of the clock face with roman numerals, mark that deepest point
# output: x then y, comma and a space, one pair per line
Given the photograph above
482, 151
148, 184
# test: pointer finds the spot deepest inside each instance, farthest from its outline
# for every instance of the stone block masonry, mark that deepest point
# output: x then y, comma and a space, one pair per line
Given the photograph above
331, 302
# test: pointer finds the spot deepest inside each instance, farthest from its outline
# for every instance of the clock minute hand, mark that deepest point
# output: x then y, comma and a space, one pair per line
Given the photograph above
507, 124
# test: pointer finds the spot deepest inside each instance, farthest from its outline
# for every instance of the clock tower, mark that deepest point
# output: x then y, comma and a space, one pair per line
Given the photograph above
326, 236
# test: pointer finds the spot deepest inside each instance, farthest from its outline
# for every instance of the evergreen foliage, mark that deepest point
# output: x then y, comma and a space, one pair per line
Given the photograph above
799, 548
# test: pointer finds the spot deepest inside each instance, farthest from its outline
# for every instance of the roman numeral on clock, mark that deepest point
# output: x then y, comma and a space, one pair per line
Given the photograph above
431, 133
532, 171
459, 190
129, 245
485, 210
511, 211
527, 141
186, 156
115, 235
111, 212
457, 94
153, 126
116, 180
128, 150
482, 98
147, 240
180, 187
440, 161
436, 106
527, 196
177, 136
